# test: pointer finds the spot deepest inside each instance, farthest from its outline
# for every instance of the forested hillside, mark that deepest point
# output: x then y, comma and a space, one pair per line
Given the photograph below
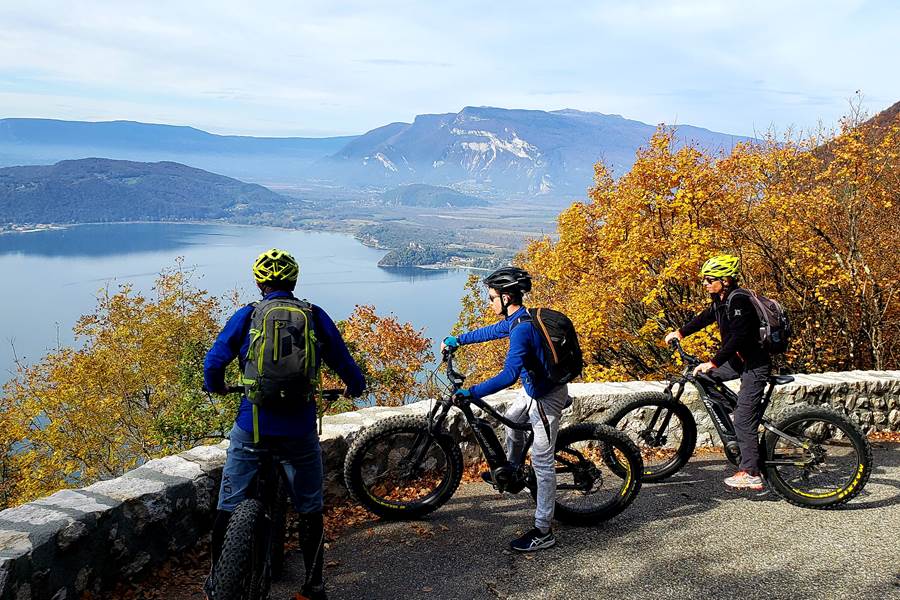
97, 190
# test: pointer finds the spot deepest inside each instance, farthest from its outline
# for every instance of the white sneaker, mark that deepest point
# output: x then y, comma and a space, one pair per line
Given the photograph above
743, 480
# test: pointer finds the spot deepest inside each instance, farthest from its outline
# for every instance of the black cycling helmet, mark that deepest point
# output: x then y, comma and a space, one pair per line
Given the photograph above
509, 279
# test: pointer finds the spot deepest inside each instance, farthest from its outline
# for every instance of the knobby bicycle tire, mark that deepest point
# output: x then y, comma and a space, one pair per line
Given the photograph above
800, 485
587, 444
368, 468
235, 576
659, 463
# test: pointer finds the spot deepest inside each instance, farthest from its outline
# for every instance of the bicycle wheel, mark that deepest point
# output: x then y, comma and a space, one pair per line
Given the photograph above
828, 467
400, 471
587, 489
239, 573
664, 430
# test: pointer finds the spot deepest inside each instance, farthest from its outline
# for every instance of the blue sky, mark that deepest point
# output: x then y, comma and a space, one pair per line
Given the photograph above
328, 68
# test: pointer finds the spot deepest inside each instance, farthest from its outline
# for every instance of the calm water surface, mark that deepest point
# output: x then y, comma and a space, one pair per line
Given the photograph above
50, 278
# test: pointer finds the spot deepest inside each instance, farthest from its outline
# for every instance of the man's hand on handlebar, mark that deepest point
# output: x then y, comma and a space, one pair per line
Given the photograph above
672, 336
704, 368
449, 344
462, 394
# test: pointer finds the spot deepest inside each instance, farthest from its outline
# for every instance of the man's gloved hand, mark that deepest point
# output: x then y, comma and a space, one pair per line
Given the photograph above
672, 336
450, 342
462, 393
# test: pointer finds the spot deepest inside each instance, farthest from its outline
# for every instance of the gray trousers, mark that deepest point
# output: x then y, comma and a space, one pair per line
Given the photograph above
748, 414
526, 408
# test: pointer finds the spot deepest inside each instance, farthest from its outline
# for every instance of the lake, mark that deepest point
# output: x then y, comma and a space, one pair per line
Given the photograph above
52, 277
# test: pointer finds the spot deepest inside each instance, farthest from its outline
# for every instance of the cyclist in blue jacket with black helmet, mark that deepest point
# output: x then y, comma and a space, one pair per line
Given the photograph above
541, 402
292, 431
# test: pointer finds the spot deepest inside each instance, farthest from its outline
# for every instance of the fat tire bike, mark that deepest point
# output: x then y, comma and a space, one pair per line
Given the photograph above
812, 456
253, 549
405, 467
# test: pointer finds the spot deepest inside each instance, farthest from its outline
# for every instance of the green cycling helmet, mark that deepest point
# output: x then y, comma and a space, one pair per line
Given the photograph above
275, 265
721, 265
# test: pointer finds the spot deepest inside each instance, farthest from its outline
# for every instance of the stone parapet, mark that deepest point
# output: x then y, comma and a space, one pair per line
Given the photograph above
75, 541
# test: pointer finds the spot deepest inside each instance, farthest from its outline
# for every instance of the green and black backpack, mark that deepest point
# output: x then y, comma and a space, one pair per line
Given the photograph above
280, 368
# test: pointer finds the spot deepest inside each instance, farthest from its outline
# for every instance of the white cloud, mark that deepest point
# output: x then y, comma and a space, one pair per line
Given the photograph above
284, 68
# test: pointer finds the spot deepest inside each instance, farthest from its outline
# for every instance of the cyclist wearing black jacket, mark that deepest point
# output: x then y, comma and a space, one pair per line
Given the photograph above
739, 356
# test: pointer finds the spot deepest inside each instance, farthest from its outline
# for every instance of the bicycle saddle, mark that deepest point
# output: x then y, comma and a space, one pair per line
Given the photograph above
781, 379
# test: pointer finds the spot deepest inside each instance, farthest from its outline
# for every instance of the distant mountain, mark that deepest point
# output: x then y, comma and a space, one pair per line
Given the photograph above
492, 152
429, 196
502, 151
99, 190
272, 160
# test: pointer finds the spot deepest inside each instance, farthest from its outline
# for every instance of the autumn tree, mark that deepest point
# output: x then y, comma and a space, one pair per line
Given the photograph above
391, 355
813, 221
129, 393
131, 390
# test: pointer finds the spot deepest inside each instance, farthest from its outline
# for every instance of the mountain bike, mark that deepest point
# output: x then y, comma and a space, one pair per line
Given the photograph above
405, 467
812, 456
253, 549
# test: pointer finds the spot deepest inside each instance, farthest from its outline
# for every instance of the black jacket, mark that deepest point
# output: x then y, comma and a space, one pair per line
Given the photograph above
739, 331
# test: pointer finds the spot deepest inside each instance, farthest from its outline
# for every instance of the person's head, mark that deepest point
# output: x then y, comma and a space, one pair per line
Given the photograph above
275, 270
506, 287
720, 272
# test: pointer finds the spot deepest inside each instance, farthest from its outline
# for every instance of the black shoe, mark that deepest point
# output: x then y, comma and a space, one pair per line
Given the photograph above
313, 592
533, 540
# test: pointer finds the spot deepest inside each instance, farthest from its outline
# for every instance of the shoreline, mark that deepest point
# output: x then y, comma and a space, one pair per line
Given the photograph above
39, 227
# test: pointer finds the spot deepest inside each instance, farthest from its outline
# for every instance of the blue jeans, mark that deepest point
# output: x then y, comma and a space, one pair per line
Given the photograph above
302, 463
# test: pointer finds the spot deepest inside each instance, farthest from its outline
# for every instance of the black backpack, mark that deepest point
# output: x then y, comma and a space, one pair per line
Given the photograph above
564, 360
774, 325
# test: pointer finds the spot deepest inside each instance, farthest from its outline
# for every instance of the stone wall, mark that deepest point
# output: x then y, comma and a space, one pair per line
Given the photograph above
87, 539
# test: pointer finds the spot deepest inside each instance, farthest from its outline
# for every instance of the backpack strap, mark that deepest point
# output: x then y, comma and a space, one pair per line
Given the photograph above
739, 292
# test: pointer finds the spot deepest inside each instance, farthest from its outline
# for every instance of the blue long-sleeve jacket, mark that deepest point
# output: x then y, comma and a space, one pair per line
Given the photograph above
234, 341
525, 358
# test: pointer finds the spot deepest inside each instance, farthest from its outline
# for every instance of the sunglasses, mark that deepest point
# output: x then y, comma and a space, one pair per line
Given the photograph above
709, 280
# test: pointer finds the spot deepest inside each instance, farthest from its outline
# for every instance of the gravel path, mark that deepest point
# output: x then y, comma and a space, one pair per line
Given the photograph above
689, 537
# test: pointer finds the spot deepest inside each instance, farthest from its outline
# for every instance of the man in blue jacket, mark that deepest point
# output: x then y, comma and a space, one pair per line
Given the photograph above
541, 401
291, 431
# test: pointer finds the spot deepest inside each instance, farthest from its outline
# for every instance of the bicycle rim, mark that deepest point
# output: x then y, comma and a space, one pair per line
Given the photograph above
828, 465
404, 469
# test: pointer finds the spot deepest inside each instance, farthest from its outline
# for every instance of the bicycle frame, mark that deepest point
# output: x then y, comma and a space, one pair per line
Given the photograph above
720, 402
506, 473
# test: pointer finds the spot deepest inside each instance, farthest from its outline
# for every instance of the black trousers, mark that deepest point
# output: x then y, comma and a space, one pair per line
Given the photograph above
748, 414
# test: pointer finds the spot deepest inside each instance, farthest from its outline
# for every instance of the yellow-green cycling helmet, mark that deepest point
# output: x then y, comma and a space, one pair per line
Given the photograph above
721, 265
275, 265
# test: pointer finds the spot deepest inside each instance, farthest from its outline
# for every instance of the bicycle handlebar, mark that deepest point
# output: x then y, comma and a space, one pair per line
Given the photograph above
456, 378
328, 394
689, 359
